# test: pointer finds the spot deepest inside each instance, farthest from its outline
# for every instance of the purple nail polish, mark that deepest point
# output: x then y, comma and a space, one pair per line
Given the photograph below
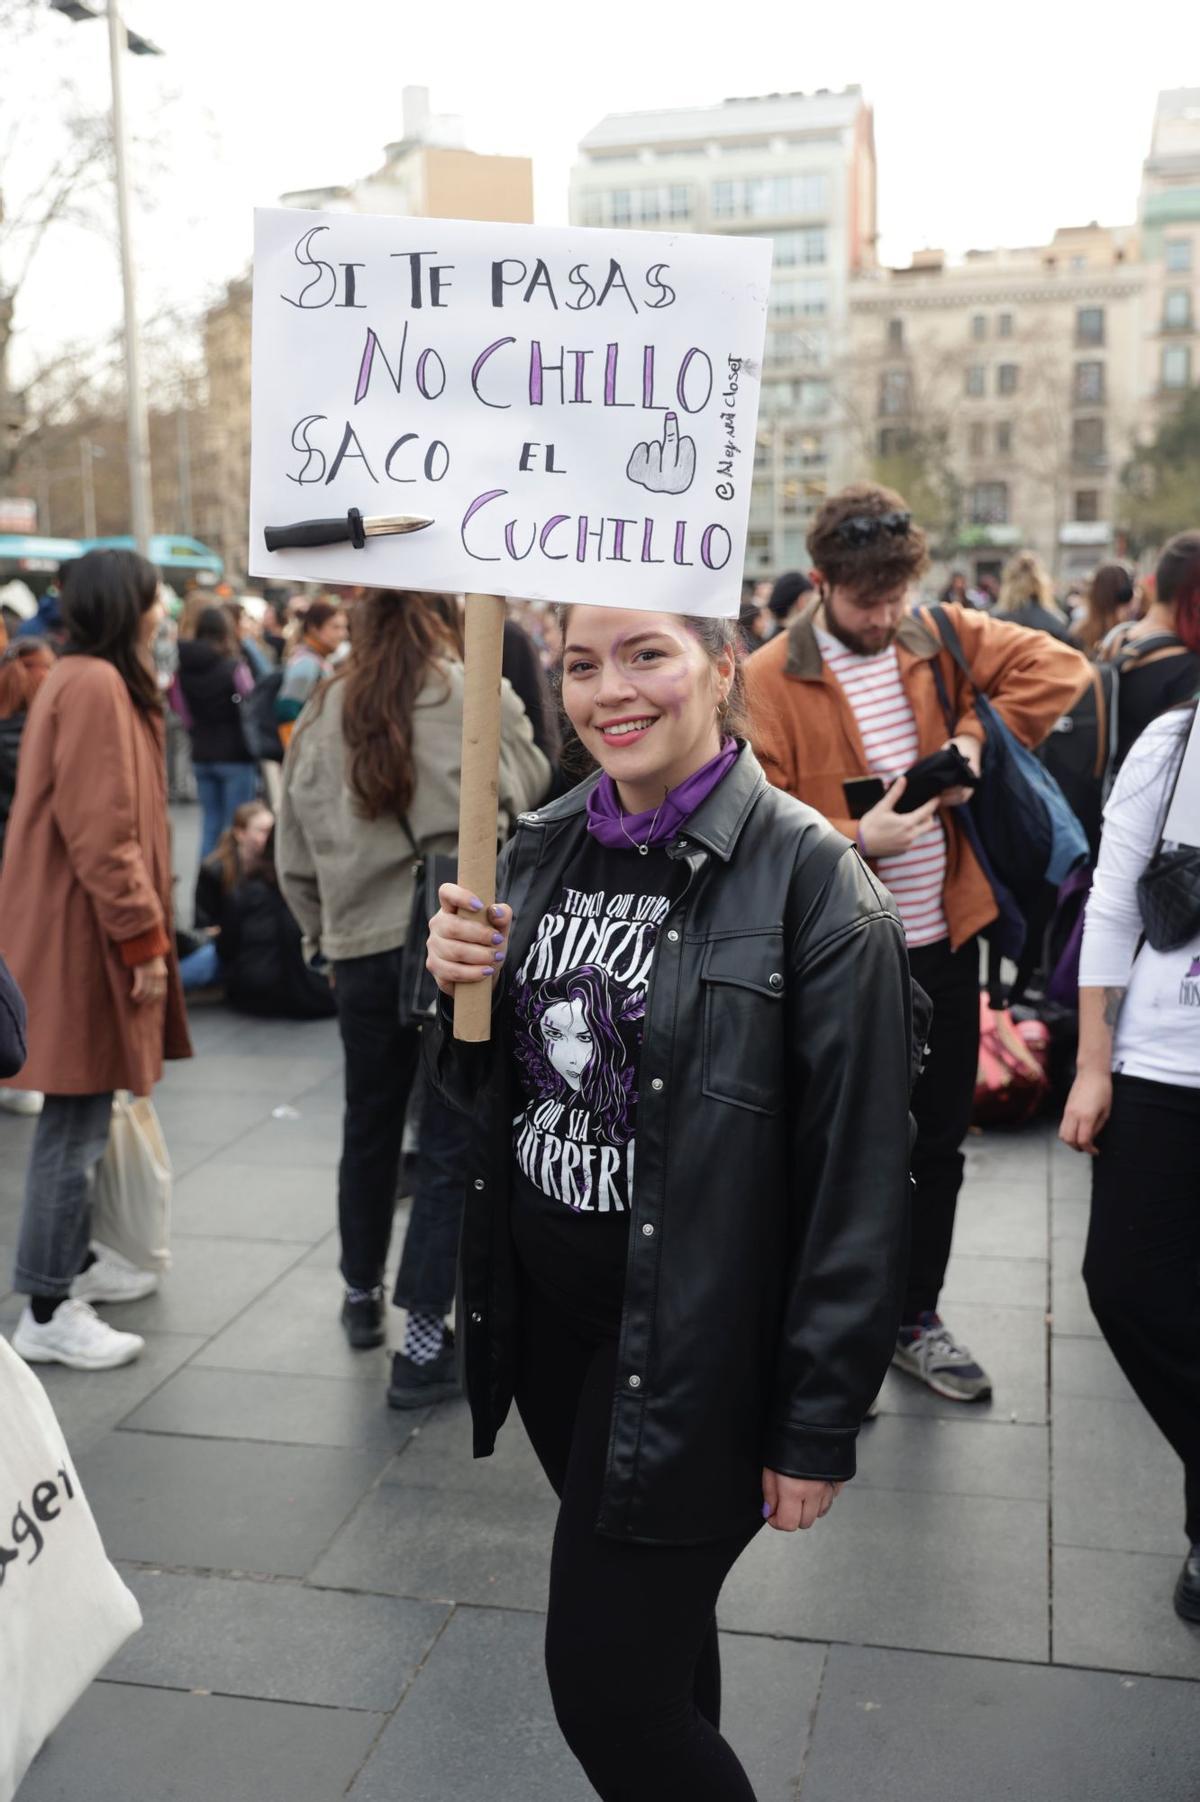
768, 1511
475, 905
499, 957
497, 938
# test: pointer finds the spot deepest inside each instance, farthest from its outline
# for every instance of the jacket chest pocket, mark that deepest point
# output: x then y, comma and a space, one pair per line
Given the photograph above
742, 983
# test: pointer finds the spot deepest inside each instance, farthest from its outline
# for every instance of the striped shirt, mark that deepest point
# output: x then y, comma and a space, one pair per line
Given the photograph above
887, 726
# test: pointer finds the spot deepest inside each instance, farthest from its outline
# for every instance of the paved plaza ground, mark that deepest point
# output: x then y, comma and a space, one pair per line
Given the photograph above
340, 1602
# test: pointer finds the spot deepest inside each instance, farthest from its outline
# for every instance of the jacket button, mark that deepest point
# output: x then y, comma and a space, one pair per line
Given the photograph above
648, 1230
775, 980
477, 1317
635, 1382
479, 1182
657, 1085
673, 936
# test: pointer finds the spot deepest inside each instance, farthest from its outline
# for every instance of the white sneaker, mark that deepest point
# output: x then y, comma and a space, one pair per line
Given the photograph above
21, 1101
76, 1336
113, 1278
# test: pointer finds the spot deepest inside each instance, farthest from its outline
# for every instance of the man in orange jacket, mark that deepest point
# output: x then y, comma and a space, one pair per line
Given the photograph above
849, 691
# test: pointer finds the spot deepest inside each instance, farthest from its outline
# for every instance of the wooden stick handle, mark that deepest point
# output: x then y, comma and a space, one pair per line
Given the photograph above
479, 798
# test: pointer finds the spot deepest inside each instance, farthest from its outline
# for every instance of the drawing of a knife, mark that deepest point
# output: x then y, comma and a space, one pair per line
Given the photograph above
354, 529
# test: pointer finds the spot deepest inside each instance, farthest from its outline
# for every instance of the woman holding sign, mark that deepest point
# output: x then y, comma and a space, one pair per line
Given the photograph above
686, 1211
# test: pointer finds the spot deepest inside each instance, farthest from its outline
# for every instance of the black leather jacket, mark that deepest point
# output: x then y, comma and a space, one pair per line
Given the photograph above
770, 1205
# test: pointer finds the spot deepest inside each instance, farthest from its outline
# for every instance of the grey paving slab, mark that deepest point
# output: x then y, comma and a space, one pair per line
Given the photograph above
1114, 1610
508, 1745
1007, 1282
439, 1456
887, 1568
1118, 1486
276, 1641
275, 1409
315, 1143
505, 1743
294, 1329
278, 1074
209, 1115
1086, 1367
1022, 1155
946, 1456
1070, 1174
125, 1744
999, 1217
222, 1505
443, 1546
90, 1403
896, 1724
1011, 1345
209, 1283
1069, 1307
227, 1200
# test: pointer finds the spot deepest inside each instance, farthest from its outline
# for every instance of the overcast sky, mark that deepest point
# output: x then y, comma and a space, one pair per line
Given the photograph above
993, 125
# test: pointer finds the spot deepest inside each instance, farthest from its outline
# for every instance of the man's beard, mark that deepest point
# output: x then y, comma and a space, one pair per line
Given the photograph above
881, 639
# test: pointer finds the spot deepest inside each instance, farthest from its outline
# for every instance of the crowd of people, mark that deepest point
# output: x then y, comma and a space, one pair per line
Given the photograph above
744, 889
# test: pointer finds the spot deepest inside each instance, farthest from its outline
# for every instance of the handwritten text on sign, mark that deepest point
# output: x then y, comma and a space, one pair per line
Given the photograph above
575, 410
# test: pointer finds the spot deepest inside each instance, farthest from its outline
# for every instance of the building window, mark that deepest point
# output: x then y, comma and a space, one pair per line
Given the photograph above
812, 245
1004, 325
1006, 378
649, 207
1177, 310
1078, 265
680, 201
1179, 255
1087, 442
808, 193
593, 211
977, 439
893, 393
895, 334
893, 441
978, 326
1087, 505
975, 379
812, 396
989, 504
812, 296
1176, 366
622, 206
724, 199
1004, 439
1089, 325
1089, 385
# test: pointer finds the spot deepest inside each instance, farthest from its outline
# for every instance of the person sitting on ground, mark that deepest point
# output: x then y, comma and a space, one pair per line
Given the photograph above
234, 858
1027, 598
311, 663
261, 950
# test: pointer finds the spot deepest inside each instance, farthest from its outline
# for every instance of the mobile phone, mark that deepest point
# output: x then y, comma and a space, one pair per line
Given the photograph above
862, 793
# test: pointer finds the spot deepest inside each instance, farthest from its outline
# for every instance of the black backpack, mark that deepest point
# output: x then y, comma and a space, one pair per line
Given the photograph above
1081, 749
260, 733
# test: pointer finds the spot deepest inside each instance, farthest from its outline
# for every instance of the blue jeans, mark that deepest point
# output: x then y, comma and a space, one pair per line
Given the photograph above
70, 1140
201, 967
223, 788
382, 1060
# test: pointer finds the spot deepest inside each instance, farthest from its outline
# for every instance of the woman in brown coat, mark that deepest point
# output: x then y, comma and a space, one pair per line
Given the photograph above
85, 922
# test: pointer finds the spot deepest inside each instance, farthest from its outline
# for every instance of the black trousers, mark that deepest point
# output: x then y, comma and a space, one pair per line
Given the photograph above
1142, 1265
941, 1106
382, 1061
631, 1633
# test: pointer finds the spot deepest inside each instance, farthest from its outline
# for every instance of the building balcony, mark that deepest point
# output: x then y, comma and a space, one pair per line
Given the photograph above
1086, 532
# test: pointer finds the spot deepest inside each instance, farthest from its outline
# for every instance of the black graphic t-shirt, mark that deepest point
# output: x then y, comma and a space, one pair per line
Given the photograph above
579, 1000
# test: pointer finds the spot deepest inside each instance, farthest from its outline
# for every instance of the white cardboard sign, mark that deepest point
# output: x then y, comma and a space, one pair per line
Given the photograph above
575, 410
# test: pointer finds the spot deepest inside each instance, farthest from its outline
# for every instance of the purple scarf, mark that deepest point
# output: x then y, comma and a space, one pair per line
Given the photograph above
657, 826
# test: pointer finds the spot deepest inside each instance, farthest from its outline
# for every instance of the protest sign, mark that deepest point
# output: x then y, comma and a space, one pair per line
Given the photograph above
572, 410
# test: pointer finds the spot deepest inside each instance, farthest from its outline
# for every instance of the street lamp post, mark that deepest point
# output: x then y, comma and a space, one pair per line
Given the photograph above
140, 505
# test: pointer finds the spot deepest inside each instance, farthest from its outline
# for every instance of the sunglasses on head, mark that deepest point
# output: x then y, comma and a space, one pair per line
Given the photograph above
864, 528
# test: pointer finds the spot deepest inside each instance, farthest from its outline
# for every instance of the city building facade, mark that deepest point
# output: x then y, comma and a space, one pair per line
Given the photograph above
800, 169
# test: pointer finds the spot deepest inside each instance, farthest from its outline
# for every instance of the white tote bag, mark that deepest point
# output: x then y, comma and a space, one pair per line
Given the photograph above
64, 1610
131, 1209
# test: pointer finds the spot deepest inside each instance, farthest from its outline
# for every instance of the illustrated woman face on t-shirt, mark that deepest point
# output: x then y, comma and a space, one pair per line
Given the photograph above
567, 1037
571, 1044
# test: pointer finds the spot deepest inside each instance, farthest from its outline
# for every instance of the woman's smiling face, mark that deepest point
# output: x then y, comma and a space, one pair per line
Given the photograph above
568, 1040
642, 694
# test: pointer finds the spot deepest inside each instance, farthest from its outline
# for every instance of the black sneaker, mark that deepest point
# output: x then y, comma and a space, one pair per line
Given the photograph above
1187, 1590
420, 1385
363, 1321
